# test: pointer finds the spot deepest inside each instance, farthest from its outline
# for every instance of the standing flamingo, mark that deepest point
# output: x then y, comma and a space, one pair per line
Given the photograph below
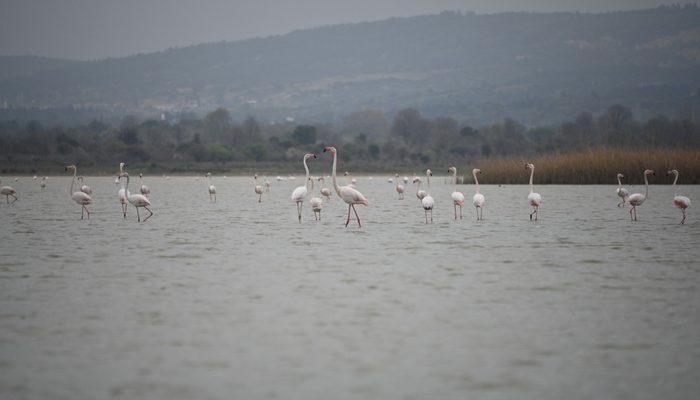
8, 191
457, 196
428, 202
258, 189
137, 200
399, 188
300, 192
326, 192
478, 200
43, 183
681, 202
637, 199
80, 197
533, 198
145, 190
123, 193
267, 185
621, 192
84, 188
212, 188
316, 203
420, 194
349, 194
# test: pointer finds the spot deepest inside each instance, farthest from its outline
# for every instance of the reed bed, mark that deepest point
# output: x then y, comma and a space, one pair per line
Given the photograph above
593, 166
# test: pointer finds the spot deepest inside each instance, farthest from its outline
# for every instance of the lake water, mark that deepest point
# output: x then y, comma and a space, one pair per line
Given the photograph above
238, 300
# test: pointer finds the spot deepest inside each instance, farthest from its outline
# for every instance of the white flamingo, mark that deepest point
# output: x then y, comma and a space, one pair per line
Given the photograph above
80, 197
137, 200
299, 194
145, 190
43, 183
419, 193
8, 191
428, 202
478, 200
637, 199
258, 189
212, 188
621, 192
326, 192
349, 194
267, 186
533, 198
457, 196
84, 188
399, 188
316, 203
122, 193
681, 202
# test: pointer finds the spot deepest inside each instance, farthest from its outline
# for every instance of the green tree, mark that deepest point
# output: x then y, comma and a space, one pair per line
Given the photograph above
304, 134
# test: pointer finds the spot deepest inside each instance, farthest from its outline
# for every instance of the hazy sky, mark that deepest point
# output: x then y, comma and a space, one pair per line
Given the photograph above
89, 29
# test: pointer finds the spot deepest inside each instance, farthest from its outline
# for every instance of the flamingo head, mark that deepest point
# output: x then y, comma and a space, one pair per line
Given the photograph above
70, 167
429, 172
529, 166
476, 171
416, 180
452, 169
330, 149
672, 172
346, 173
140, 175
620, 176
397, 175
309, 155
80, 178
649, 172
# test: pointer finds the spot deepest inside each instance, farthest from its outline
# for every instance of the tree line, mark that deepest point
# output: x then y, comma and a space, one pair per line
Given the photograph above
367, 139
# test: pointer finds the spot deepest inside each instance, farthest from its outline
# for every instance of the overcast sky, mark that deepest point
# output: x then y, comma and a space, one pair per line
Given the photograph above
90, 29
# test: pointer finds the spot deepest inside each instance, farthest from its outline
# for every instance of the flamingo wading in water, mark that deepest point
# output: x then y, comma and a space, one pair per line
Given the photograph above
637, 199
145, 190
399, 188
80, 197
478, 200
137, 200
420, 194
621, 192
123, 194
428, 202
457, 196
300, 192
316, 203
212, 188
681, 202
8, 191
258, 189
533, 198
349, 194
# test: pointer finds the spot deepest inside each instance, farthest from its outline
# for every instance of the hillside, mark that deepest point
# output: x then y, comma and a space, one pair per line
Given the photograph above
537, 68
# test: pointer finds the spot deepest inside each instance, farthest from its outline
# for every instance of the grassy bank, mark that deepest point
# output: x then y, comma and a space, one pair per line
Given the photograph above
595, 166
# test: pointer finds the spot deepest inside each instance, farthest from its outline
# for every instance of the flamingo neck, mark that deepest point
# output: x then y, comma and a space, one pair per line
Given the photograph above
427, 176
619, 182
646, 186
126, 188
675, 179
454, 178
476, 181
306, 168
532, 173
335, 182
418, 188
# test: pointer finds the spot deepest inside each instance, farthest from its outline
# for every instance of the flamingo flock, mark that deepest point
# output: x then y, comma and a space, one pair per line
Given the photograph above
349, 193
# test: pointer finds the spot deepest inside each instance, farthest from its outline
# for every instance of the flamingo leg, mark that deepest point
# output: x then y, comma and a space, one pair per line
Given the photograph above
14, 197
149, 215
534, 210
356, 216
460, 211
299, 211
138, 217
455, 204
87, 210
426, 216
82, 212
482, 213
431, 215
124, 210
631, 210
348, 221
260, 198
683, 220
477, 212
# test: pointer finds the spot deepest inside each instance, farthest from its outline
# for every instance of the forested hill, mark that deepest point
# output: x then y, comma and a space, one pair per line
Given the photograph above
537, 68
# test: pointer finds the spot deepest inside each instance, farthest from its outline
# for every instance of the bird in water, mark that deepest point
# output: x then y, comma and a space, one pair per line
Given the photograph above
137, 200
316, 203
457, 196
299, 194
212, 188
8, 192
681, 202
399, 188
428, 202
258, 189
80, 197
621, 192
533, 198
637, 199
84, 188
145, 190
478, 200
348, 194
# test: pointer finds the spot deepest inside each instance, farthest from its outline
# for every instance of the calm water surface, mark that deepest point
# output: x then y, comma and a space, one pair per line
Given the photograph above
237, 300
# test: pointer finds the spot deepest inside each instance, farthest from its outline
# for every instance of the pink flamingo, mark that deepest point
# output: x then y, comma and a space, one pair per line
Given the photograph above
457, 196
80, 197
533, 198
681, 202
349, 194
637, 199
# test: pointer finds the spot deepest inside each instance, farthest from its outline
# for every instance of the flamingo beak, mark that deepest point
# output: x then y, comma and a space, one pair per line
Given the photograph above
315, 156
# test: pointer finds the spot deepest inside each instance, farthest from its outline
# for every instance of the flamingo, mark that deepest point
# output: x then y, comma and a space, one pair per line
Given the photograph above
145, 190
621, 192
457, 196
258, 189
212, 188
681, 202
533, 198
84, 188
316, 203
399, 188
300, 192
637, 199
80, 197
428, 202
478, 200
405, 180
137, 200
267, 185
326, 192
419, 193
8, 191
349, 194
43, 183
123, 193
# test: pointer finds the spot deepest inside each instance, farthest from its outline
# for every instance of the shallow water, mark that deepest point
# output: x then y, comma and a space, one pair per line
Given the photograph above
237, 300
